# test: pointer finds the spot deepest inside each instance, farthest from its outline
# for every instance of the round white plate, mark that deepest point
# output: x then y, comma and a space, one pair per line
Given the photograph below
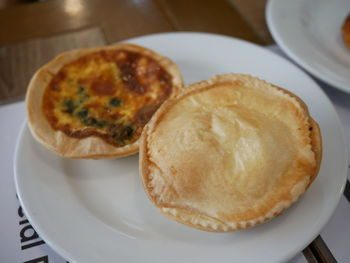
309, 31
97, 211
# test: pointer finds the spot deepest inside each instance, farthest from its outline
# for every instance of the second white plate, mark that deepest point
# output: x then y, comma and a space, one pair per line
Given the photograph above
309, 31
97, 211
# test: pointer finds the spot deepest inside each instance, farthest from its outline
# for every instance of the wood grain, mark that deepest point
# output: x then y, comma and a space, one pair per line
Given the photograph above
321, 251
208, 16
119, 19
253, 12
309, 256
18, 62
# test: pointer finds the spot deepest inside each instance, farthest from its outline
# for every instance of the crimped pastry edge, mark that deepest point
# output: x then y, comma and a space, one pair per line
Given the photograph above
213, 225
90, 147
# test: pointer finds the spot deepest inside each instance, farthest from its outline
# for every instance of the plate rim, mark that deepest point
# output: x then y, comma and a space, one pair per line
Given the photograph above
68, 256
282, 43
56, 247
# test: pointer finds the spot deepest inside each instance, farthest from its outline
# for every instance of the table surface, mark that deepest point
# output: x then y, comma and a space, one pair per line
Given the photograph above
34, 33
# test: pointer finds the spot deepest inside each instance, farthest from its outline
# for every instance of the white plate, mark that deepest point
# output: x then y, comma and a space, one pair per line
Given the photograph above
97, 211
309, 31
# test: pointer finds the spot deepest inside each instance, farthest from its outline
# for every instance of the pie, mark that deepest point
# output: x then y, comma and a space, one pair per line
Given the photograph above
94, 103
229, 153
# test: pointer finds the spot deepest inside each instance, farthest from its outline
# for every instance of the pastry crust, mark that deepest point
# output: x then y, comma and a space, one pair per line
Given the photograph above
88, 147
229, 153
346, 31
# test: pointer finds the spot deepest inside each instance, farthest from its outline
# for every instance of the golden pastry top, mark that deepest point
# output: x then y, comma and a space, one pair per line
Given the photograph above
229, 151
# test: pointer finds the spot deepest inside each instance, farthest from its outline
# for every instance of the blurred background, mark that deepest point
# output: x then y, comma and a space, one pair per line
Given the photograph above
33, 32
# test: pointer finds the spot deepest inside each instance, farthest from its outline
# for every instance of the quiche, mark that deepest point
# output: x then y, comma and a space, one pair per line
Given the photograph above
94, 103
229, 153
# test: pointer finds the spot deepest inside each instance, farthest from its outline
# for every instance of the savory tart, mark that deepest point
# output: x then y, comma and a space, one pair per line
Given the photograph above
229, 153
346, 31
94, 103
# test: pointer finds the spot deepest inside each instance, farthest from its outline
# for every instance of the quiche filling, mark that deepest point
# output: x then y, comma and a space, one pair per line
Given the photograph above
109, 94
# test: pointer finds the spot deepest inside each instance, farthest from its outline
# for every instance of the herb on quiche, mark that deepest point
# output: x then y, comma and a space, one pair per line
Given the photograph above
91, 121
83, 95
128, 131
82, 114
115, 102
81, 90
121, 132
69, 106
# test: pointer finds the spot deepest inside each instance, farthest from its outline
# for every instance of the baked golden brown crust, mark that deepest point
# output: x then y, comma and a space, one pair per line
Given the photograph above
346, 31
229, 153
90, 146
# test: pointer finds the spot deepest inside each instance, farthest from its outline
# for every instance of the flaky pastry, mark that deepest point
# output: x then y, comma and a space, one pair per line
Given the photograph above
229, 153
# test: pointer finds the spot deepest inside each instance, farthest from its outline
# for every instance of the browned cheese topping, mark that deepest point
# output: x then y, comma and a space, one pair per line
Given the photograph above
109, 94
